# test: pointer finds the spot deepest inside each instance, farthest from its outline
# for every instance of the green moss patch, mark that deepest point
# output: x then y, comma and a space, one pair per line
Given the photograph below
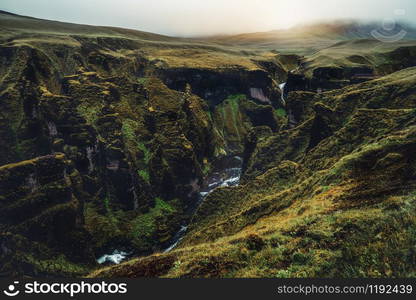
280, 112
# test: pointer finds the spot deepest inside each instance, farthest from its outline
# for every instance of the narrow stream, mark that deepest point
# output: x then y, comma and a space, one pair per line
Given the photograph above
115, 258
225, 172
282, 89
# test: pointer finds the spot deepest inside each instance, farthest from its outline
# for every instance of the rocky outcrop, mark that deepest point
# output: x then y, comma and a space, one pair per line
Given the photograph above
216, 85
41, 205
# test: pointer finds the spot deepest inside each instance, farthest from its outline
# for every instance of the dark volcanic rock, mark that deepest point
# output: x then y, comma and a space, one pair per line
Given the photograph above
38, 205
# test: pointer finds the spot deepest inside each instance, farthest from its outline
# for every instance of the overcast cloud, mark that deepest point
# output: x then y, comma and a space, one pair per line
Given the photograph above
208, 17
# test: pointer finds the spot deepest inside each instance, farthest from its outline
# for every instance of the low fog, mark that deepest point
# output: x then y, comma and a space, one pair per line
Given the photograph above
202, 17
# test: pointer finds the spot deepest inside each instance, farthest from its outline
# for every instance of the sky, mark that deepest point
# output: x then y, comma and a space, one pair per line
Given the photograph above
210, 17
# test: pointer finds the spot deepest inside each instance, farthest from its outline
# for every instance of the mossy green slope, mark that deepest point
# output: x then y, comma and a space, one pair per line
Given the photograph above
136, 142
338, 203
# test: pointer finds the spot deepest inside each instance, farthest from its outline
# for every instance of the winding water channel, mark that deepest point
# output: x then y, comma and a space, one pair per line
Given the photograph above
225, 172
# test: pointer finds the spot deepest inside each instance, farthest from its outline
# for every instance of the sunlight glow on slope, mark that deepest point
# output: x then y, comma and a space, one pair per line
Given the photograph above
201, 17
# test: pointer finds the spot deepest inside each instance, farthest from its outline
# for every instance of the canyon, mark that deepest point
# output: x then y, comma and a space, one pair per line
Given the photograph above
131, 154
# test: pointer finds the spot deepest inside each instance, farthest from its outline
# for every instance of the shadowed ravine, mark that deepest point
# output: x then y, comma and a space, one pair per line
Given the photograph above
225, 172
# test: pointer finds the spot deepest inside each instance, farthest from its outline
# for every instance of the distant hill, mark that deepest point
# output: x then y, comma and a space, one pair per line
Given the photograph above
306, 39
10, 22
303, 40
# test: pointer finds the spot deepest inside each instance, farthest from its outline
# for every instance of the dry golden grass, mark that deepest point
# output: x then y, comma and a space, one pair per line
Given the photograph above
317, 206
201, 58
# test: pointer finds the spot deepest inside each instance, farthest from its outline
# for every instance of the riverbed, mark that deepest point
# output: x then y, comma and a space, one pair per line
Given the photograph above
225, 172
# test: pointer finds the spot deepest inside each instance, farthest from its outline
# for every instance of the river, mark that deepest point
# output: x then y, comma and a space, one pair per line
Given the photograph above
225, 172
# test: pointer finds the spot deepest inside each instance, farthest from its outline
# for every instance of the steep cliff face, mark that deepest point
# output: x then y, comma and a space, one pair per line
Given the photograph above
350, 62
42, 203
135, 135
330, 196
215, 85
